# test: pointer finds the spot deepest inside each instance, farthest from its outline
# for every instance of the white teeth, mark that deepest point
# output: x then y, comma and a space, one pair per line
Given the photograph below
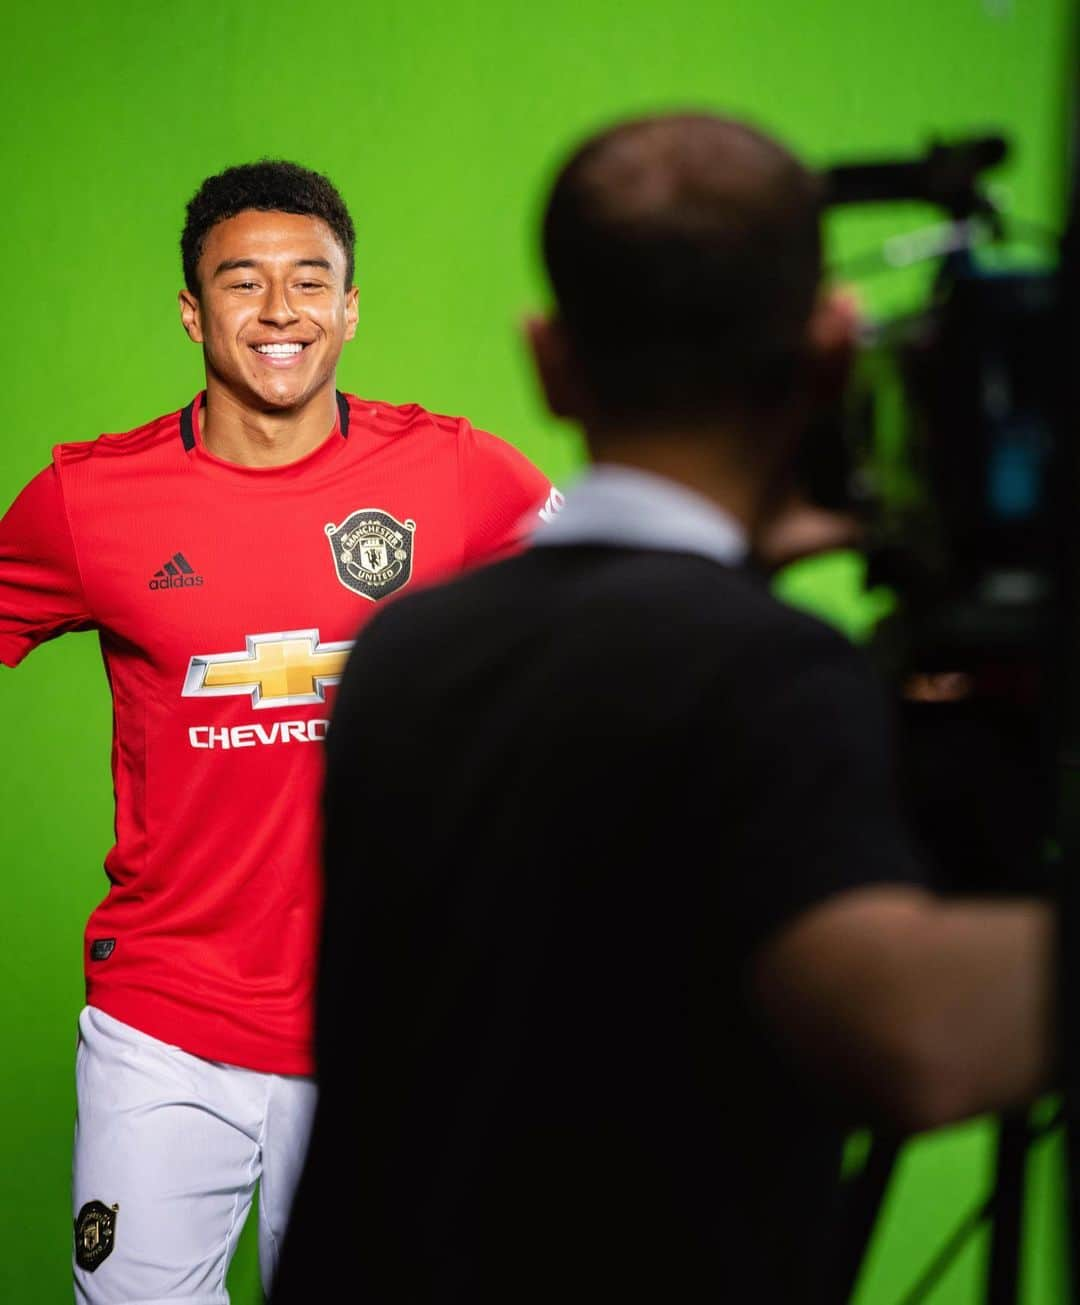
278, 350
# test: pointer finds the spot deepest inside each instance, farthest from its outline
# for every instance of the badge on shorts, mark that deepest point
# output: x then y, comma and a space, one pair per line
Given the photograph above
372, 552
95, 1234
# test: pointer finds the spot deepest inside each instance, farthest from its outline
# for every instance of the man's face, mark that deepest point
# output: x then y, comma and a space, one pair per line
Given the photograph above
273, 310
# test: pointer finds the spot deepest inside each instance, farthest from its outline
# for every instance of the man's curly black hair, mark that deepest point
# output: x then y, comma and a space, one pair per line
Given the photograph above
272, 185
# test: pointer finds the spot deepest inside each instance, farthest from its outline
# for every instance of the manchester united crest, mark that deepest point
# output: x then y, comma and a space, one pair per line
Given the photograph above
95, 1234
372, 552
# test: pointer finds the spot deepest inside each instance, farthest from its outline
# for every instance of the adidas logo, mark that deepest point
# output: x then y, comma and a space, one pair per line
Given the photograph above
178, 573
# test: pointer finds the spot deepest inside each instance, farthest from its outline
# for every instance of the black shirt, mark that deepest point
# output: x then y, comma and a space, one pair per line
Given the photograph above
568, 797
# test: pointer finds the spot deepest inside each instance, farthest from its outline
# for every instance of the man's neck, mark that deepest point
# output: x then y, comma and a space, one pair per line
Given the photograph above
249, 437
704, 460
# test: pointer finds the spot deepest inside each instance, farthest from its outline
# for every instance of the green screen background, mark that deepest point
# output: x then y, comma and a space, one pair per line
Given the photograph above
441, 125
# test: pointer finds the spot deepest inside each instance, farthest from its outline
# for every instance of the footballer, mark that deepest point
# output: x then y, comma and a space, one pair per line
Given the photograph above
226, 554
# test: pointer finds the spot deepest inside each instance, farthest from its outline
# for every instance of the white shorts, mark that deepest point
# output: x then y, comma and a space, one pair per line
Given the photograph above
168, 1151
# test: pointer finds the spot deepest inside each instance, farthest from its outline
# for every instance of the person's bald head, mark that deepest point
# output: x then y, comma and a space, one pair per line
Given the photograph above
684, 253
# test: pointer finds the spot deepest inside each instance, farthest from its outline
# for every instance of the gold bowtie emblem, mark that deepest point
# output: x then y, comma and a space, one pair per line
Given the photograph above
286, 669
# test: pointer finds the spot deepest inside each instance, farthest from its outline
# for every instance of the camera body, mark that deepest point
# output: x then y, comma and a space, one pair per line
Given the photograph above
951, 443
958, 469
951, 447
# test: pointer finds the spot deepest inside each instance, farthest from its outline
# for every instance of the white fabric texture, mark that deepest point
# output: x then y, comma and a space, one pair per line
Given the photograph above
178, 1145
630, 508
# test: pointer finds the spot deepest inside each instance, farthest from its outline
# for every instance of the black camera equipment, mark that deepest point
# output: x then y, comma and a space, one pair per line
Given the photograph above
957, 446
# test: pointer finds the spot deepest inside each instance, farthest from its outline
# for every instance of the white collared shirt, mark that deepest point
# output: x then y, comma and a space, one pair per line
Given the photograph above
625, 507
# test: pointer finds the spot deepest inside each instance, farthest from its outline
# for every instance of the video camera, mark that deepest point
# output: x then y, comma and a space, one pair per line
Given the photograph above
949, 444
956, 446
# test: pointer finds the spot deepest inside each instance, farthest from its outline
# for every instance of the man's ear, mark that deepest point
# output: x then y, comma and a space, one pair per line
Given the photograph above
833, 337
190, 316
352, 311
555, 367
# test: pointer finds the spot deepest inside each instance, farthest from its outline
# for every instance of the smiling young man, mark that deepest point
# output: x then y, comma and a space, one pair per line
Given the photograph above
226, 554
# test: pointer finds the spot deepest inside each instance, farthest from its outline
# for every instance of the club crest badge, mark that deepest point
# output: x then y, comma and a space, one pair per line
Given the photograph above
95, 1234
372, 552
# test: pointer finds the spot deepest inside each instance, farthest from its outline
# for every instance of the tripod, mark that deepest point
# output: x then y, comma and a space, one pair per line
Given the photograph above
1003, 1210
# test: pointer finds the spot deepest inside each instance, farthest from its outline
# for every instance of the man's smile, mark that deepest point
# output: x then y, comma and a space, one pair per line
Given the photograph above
280, 353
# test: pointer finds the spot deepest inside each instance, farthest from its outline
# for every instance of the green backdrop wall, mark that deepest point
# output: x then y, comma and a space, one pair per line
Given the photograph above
441, 125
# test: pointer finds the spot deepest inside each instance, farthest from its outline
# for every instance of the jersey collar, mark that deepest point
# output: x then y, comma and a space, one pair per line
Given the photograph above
188, 418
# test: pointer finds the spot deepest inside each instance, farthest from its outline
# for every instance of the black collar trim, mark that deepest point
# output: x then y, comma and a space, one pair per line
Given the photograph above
187, 425
187, 421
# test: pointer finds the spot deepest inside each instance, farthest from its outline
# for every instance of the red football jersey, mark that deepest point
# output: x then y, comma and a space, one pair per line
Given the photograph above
226, 598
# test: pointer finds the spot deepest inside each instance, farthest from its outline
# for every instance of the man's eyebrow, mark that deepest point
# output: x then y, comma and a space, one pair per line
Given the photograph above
230, 264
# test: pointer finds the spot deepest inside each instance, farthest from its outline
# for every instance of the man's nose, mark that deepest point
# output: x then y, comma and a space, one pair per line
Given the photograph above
276, 306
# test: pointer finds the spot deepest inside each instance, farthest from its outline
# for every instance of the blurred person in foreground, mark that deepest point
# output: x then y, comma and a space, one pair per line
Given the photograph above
624, 928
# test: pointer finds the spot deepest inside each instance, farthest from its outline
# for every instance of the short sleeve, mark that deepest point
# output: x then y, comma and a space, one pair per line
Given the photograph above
817, 787
506, 495
41, 593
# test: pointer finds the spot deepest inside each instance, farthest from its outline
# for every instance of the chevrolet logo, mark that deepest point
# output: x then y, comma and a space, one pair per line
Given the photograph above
287, 669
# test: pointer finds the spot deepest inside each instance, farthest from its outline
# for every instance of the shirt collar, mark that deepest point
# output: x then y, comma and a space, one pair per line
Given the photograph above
627, 508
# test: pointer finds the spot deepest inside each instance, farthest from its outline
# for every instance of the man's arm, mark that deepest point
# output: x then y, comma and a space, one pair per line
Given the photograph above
918, 1010
41, 592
